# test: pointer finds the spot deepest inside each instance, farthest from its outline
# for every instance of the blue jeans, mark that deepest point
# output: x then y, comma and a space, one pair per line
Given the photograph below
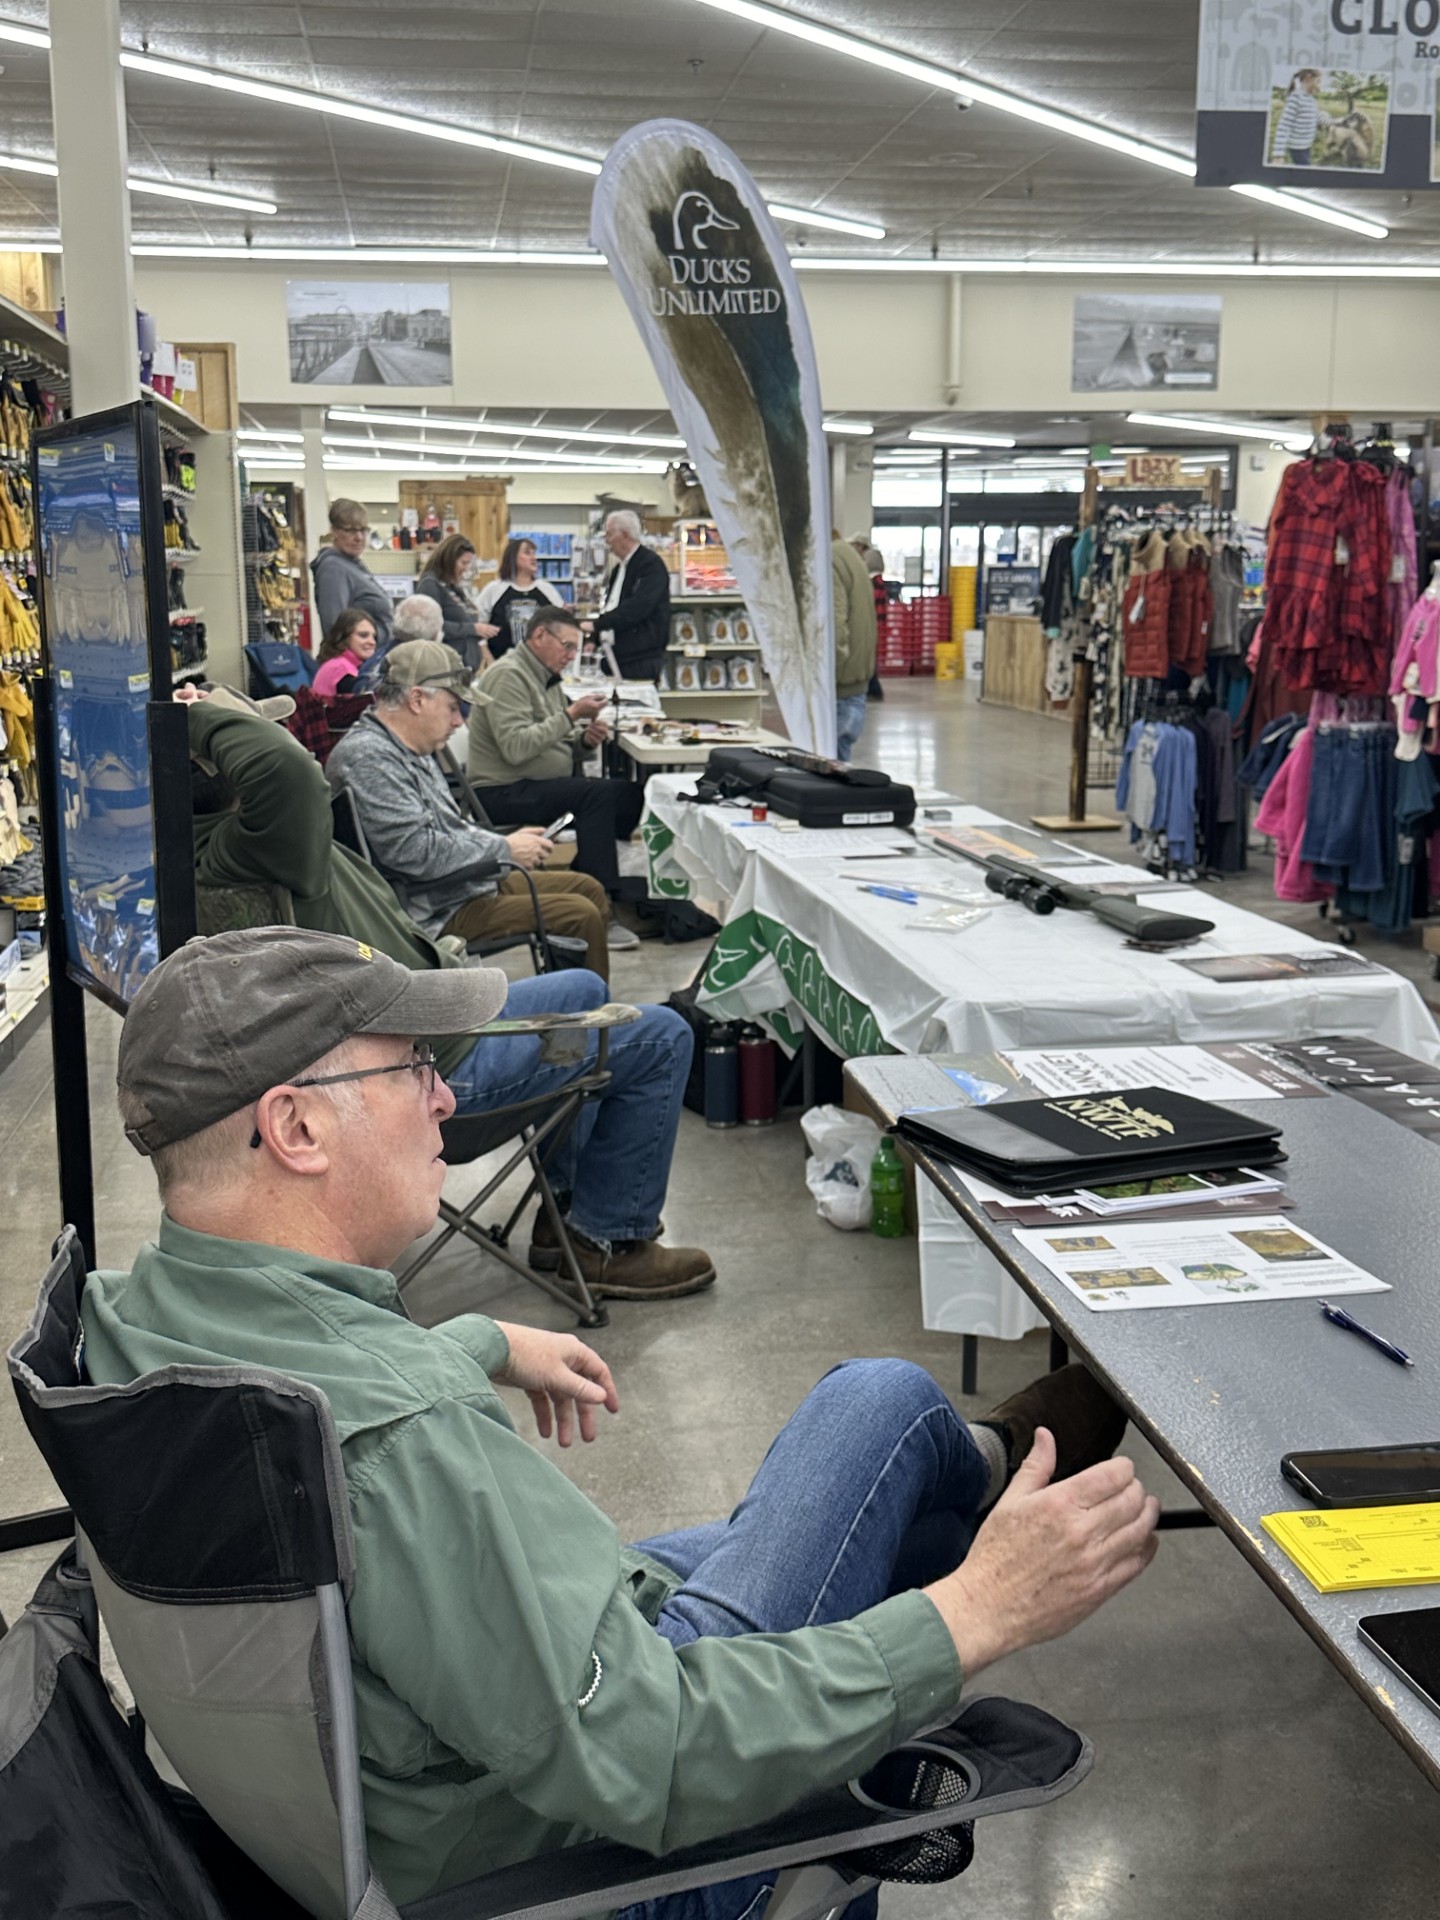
616, 1162
872, 1487
849, 724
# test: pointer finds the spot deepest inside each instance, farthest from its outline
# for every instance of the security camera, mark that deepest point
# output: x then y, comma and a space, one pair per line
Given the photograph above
962, 105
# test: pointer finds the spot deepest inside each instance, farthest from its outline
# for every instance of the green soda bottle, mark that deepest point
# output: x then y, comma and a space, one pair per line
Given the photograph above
887, 1191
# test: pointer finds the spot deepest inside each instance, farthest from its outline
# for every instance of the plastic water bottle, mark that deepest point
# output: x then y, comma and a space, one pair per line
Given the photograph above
887, 1191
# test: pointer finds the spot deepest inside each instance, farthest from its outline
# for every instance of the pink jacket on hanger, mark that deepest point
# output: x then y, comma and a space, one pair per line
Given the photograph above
1416, 669
1282, 816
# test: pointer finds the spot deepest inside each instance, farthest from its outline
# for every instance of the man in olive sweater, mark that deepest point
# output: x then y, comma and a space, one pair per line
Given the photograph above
855, 641
523, 741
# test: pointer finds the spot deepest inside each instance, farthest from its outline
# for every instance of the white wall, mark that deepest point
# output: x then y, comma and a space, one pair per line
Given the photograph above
561, 337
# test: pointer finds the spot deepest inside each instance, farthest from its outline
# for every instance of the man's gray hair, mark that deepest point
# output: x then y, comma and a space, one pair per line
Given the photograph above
219, 1154
627, 520
418, 618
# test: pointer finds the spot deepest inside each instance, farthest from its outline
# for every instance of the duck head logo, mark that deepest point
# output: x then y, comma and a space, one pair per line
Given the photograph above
696, 215
707, 278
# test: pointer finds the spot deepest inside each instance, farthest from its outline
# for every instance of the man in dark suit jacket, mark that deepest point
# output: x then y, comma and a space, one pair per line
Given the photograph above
635, 612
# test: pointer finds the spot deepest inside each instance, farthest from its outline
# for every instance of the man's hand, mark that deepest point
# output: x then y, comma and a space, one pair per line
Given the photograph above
587, 706
528, 846
484, 631
1046, 1556
597, 733
566, 1381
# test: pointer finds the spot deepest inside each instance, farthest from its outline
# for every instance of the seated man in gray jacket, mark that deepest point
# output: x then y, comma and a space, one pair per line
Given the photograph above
523, 740
443, 863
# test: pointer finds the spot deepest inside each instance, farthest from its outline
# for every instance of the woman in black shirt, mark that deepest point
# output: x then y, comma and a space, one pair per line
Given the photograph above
519, 589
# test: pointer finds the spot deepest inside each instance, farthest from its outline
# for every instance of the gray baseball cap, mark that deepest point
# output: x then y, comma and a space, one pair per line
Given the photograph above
428, 664
223, 1020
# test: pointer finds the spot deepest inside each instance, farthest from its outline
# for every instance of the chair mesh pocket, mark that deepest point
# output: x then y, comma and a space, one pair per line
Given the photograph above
916, 1777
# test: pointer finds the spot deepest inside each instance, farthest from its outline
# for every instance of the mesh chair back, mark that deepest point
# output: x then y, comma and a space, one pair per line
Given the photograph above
212, 1504
278, 666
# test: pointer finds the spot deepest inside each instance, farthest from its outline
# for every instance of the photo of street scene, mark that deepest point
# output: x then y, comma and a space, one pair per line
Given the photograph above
369, 333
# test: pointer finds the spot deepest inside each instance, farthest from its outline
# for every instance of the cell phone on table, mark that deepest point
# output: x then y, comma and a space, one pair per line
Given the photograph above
559, 826
1366, 1476
1409, 1644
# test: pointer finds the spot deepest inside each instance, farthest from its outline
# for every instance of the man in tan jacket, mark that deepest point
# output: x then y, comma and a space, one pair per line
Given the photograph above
855, 634
524, 738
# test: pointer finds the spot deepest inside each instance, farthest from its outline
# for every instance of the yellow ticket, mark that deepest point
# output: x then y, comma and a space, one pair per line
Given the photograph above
1339, 1549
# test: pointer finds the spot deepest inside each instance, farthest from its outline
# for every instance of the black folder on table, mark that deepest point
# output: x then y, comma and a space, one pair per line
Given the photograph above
1090, 1139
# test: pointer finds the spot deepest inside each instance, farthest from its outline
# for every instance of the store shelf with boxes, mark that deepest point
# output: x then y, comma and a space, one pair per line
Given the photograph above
713, 670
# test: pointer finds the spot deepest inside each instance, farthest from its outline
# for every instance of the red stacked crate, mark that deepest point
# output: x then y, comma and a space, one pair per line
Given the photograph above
891, 654
931, 622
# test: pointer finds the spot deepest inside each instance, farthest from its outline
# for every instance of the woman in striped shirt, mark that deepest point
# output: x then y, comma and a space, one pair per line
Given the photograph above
1299, 120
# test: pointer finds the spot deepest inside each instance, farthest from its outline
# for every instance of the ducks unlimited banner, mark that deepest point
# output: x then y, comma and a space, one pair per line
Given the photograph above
1318, 93
705, 273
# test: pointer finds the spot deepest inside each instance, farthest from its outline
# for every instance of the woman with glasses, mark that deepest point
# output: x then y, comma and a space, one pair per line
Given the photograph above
343, 580
519, 593
447, 575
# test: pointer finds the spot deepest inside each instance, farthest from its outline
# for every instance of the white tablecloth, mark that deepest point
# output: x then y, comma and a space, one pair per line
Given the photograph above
803, 944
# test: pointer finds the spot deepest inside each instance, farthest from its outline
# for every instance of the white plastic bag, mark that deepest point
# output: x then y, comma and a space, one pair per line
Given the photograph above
842, 1145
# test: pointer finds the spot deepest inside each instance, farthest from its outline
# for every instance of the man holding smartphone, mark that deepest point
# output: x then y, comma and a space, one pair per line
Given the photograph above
525, 738
454, 876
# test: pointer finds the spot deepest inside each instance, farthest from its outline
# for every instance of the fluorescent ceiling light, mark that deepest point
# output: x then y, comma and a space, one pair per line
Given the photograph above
1201, 270
165, 189
1241, 429
281, 434
17, 35
832, 222
605, 462
451, 424
1289, 202
347, 463
315, 102
368, 256
926, 74
958, 437
860, 427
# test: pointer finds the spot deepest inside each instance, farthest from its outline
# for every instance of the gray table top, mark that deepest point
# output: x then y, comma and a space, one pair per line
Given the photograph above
1223, 1391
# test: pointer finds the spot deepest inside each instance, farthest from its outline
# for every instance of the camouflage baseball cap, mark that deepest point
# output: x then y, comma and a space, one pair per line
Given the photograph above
428, 664
224, 1019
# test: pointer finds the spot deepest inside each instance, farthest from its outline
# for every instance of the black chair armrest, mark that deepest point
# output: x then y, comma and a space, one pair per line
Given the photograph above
1017, 1756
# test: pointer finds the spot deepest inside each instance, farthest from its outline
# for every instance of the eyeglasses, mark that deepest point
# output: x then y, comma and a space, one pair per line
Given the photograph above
421, 1063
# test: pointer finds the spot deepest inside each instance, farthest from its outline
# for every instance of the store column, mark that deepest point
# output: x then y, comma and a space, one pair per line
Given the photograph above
88, 97
317, 505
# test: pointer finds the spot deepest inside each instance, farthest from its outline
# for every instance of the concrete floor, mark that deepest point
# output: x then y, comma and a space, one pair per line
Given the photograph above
1236, 1773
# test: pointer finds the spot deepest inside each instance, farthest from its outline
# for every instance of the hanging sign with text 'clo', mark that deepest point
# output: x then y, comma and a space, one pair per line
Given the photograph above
1318, 94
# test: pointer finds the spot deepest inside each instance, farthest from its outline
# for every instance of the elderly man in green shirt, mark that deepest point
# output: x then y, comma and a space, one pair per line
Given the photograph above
522, 1678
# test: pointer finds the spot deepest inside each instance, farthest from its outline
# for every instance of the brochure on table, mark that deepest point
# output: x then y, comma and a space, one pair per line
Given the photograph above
1350, 1549
1193, 1263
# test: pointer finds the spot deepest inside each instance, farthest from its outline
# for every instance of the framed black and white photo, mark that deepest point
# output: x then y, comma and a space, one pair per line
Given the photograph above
1145, 342
369, 333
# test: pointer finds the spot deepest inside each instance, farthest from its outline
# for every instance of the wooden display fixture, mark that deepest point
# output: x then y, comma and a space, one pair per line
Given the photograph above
1078, 820
215, 399
481, 510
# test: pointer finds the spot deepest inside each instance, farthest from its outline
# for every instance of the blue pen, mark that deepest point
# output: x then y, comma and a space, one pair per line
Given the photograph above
1338, 1317
894, 893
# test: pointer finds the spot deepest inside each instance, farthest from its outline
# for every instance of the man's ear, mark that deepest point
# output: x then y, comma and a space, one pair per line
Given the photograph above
288, 1133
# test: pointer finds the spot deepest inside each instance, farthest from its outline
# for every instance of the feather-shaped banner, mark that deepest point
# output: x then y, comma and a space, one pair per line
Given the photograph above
705, 273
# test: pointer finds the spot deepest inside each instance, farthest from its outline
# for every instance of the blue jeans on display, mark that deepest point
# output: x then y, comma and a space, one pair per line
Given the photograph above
849, 724
872, 1487
616, 1162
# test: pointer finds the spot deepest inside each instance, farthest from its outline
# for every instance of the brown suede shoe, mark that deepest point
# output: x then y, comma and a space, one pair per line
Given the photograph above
643, 1270
544, 1254
1086, 1423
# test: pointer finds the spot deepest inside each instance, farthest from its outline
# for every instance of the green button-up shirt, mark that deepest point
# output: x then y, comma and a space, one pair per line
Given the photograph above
487, 1587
